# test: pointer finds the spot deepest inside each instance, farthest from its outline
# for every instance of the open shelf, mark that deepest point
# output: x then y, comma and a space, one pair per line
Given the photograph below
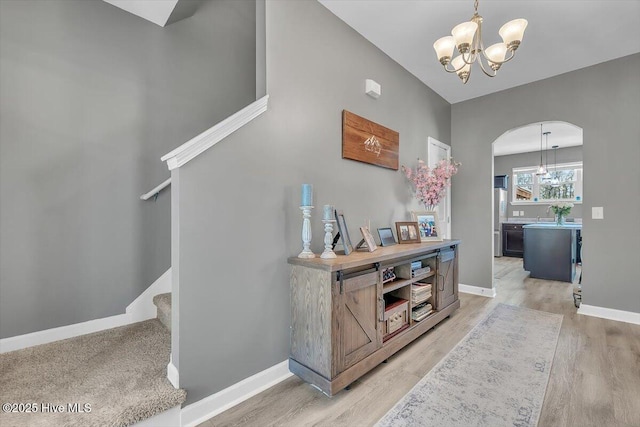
396, 284
399, 283
424, 276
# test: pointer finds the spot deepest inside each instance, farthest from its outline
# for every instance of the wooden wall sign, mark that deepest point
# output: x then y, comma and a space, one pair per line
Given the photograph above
369, 142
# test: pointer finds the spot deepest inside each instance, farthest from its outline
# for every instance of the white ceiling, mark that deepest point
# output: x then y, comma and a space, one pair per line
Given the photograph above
562, 36
527, 138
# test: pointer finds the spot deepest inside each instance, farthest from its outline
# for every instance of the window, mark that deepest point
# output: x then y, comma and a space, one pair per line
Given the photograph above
562, 182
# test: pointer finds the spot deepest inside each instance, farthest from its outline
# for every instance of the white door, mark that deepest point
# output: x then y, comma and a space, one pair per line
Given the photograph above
437, 151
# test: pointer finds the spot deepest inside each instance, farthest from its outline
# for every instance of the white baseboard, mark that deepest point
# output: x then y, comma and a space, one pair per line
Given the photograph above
610, 313
137, 311
55, 334
210, 406
172, 374
477, 290
168, 418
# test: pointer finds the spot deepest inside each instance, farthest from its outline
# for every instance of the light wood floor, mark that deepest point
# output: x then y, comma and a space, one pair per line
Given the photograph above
595, 378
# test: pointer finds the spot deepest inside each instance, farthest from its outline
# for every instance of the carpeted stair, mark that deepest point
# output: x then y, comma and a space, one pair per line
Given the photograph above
163, 303
120, 373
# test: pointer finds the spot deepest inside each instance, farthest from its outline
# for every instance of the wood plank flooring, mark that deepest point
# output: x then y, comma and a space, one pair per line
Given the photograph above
595, 378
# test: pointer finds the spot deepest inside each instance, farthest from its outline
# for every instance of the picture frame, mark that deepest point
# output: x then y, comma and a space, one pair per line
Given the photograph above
344, 232
408, 232
367, 238
428, 225
386, 236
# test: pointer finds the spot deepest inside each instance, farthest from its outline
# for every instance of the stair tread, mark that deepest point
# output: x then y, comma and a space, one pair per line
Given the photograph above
163, 301
120, 372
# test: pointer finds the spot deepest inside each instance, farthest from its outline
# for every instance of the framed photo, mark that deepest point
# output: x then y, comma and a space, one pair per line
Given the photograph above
344, 233
368, 239
407, 232
428, 225
386, 236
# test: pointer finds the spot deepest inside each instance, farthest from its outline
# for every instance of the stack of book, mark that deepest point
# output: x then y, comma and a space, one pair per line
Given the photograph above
420, 292
421, 311
420, 271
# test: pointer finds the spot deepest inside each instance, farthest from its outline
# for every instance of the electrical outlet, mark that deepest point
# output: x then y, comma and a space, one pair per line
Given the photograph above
597, 212
521, 213
516, 213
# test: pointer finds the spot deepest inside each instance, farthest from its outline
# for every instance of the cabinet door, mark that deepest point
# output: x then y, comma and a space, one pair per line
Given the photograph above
447, 273
512, 240
357, 327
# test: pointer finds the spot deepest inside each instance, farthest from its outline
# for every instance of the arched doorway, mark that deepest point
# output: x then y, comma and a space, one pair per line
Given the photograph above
522, 194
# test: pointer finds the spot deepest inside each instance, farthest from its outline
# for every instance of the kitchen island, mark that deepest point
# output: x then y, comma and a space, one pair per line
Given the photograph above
550, 250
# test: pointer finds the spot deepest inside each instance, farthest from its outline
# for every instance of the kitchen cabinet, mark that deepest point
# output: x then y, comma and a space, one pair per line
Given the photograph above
550, 251
512, 240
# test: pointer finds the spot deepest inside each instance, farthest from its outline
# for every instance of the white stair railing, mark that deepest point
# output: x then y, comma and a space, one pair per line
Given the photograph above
156, 190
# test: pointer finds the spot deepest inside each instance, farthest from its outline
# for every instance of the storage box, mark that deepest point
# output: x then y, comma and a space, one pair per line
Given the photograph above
396, 315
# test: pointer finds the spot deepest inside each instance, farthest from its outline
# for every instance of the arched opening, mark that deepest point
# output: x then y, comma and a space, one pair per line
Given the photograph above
536, 166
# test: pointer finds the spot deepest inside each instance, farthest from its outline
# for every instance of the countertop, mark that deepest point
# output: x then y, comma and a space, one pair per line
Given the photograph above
553, 225
539, 221
382, 254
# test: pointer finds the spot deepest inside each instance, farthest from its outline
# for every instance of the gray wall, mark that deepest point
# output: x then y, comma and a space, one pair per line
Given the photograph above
604, 101
92, 96
503, 165
234, 284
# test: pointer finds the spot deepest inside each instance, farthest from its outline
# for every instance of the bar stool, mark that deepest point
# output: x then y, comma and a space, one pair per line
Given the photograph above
577, 291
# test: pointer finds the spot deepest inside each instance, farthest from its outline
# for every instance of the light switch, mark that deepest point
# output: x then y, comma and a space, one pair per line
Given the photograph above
521, 213
516, 213
597, 212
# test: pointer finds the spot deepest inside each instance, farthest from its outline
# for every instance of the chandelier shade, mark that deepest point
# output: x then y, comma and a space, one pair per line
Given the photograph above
496, 54
463, 69
467, 39
512, 32
444, 47
463, 35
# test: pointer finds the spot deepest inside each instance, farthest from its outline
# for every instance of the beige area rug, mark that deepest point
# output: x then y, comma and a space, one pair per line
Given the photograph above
116, 377
496, 376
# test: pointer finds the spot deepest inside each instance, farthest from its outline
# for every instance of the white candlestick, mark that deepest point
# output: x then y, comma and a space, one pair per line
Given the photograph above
306, 233
327, 213
328, 239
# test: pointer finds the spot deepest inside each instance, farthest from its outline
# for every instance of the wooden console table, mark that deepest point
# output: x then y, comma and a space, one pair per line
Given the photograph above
338, 306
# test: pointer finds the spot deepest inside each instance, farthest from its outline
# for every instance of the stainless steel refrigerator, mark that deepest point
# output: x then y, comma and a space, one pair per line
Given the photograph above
499, 216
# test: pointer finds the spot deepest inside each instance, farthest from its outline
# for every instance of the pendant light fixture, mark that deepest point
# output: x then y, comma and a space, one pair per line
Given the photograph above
555, 182
547, 176
467, 38
542, 170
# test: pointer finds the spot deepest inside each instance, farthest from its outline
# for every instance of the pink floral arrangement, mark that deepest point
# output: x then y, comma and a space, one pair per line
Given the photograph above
430, 184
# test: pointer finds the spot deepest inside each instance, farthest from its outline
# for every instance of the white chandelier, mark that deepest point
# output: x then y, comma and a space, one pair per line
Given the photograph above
467, 38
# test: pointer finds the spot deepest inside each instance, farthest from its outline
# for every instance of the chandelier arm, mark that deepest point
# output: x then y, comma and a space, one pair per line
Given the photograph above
485, 71
453, 69
471, 56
